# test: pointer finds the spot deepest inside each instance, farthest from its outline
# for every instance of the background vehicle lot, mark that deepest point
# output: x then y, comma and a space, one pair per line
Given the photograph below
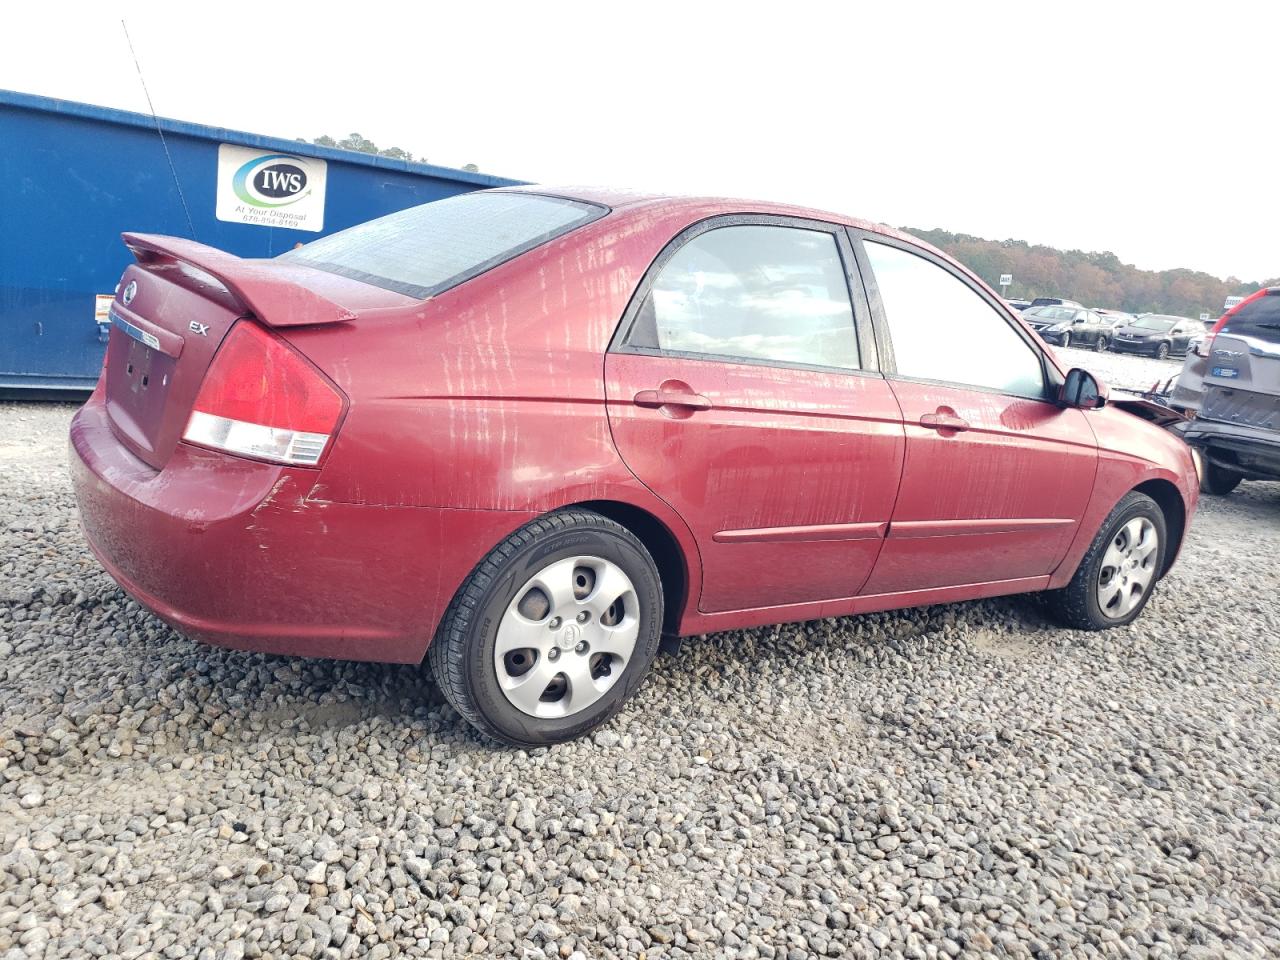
1125, 371
958, 778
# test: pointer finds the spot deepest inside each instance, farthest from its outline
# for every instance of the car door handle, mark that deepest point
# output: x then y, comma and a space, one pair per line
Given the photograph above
943, 421
665, 397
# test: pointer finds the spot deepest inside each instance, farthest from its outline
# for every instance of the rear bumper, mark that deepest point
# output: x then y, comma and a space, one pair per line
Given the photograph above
1251, 450
235, 553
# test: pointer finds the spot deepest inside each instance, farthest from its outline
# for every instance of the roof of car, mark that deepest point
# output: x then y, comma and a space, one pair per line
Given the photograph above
622, 198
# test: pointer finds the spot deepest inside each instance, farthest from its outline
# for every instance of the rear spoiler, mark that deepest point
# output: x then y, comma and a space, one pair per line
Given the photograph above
273, 292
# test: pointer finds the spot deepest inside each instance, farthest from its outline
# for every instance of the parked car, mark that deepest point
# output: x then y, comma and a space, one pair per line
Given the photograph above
1018, 304
1054, 302
1231, 385
1156, 335
530, 432
1070, 326
1116, 318
1201, 334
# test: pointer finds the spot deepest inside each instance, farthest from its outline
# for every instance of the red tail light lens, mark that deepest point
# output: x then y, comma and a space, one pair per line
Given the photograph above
262, 399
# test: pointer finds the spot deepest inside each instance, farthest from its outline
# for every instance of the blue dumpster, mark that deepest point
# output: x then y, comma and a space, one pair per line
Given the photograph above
74, 176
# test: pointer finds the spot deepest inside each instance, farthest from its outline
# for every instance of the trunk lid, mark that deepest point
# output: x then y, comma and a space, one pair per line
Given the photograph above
171, 312
1242, 382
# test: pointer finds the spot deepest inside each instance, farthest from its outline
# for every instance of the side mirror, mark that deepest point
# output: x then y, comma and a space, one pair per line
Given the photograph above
1083, 390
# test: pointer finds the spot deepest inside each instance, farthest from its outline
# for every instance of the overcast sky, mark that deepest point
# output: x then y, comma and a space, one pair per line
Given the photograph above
1138, 128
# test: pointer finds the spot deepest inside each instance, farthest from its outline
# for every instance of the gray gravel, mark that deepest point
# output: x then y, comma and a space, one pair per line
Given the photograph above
1120, 370
964, 780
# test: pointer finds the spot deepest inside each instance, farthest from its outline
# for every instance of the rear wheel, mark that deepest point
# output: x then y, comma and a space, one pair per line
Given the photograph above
1119, 571
1162, 352
1217, 480
552, 632
1100, 344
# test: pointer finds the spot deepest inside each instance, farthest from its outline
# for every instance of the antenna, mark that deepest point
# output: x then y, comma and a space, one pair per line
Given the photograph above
172, 169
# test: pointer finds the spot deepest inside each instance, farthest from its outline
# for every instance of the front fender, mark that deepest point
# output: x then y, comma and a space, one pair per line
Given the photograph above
1131, 452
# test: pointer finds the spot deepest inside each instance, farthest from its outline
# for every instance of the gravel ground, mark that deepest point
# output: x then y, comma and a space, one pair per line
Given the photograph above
963, 780
1121, 370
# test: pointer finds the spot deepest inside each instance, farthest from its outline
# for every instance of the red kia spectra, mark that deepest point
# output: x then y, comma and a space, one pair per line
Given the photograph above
531, 432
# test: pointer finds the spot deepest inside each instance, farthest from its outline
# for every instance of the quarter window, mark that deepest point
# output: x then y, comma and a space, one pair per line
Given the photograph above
942, 329
753, 292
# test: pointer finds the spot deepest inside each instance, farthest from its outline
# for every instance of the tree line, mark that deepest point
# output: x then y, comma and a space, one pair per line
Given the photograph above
1094, 279
353, 141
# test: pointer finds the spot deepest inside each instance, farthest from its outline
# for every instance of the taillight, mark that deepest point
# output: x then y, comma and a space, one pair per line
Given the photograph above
1204, 347
262, 399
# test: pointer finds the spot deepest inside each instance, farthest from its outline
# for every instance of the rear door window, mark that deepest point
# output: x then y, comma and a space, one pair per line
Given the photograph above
754, 292
425, 250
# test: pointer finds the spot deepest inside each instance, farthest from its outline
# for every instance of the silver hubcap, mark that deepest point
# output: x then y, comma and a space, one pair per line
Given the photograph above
1128, 567
567, 636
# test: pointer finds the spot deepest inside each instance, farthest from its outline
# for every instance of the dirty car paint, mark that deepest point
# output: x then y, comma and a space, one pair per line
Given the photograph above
795, 494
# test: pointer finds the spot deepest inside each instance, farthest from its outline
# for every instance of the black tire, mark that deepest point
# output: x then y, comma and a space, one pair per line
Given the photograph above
462, 653
1100, 344
1162, 352
1076, 604
1217, 480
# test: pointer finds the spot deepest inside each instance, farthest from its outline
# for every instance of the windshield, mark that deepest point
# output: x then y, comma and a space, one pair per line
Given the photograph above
1160, 324
1052, 313
425, 250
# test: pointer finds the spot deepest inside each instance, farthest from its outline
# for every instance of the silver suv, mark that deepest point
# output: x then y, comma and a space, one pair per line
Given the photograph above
1231, 385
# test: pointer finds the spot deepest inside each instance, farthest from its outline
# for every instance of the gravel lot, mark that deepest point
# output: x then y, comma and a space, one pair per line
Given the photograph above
1120, 370
964, 780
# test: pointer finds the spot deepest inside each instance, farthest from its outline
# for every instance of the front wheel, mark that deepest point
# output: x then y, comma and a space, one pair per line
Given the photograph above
1100, 344
1162, 352
1217, 480
552, 632
1119, 571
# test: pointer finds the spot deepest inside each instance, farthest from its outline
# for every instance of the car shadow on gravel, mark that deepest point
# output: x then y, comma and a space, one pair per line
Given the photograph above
314, 696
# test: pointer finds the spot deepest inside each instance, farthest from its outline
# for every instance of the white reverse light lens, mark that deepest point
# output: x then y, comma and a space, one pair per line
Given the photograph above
255, 440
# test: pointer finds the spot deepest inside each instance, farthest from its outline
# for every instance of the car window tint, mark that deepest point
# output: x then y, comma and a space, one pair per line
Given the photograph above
943, 330
1258, 318
753, 292
423, 251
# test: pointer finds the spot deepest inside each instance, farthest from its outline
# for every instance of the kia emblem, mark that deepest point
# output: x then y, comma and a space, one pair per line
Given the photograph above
130, 292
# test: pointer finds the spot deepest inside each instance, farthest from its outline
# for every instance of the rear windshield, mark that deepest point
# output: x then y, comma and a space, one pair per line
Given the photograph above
426, 250
1258, 318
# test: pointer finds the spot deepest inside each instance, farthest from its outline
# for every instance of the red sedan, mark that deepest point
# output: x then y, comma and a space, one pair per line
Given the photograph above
531, 432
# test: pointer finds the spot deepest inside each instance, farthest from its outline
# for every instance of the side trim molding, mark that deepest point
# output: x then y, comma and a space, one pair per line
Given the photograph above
815, 531
917, 529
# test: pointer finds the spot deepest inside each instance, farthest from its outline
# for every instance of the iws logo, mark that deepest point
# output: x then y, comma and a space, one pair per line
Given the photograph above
269, 189
275, 180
